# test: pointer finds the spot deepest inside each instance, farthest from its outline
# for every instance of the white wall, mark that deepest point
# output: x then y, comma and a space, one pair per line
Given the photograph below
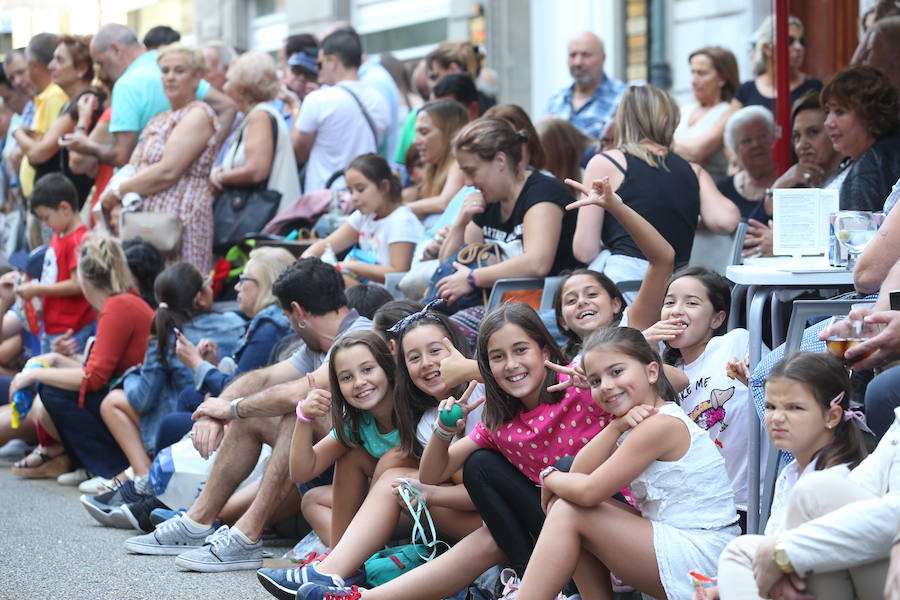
553, 23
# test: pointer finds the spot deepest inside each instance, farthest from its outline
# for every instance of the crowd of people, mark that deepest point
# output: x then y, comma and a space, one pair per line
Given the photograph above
600, 446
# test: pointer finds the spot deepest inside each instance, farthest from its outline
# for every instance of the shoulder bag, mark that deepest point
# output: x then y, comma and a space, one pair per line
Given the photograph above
243, 210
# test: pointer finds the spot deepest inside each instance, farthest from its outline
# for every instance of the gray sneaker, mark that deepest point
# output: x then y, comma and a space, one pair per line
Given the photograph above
223, 551
170, 538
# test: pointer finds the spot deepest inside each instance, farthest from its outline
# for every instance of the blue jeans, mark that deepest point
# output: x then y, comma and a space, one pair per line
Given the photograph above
81, 336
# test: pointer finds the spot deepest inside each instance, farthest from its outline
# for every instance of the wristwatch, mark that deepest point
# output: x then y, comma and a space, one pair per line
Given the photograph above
546, 471
779, 555
234, 408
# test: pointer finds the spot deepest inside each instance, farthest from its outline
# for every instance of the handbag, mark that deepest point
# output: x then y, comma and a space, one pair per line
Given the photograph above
391, 563
242, 210
474, 256
161, 230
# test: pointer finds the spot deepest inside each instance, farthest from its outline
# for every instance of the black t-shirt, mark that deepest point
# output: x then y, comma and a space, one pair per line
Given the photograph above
668, 199
749, 209
509, 234
748, 94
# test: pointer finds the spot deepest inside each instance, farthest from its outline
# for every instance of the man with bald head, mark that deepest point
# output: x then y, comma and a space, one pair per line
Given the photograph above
137, 95
592, 98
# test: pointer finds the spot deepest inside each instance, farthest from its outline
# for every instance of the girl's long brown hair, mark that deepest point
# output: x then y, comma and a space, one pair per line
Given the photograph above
500, 407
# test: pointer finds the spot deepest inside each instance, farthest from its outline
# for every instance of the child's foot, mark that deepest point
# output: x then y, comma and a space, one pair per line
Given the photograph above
317, 591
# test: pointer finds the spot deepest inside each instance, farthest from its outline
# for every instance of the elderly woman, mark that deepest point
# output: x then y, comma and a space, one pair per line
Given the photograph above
818, 165
862, 122
72, 70
174, 156
761, 89
252, 82
698, 137
749, 134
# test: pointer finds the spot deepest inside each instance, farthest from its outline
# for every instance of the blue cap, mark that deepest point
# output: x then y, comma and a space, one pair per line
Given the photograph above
302, 59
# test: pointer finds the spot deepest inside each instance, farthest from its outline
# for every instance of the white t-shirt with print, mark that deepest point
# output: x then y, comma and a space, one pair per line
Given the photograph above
719, 405
377, 235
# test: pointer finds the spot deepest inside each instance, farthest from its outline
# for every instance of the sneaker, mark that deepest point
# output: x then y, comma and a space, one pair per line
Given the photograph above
311, 544
158, 515
73, 477
223, 551
138, 513
317, 591
106, 508
284, 583
14, 450
170, 538
98, 485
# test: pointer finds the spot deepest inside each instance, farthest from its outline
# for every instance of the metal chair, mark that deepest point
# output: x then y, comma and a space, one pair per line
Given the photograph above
503, 286
392, 283
718, 251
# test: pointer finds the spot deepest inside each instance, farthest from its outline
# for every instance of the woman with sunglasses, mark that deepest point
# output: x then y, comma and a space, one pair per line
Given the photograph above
761, 89
133, 412
268, 324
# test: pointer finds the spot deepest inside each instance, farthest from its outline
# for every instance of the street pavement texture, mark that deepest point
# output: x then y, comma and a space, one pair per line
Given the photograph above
51, 549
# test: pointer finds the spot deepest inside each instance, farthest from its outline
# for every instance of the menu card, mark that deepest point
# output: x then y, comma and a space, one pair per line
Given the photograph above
800, 220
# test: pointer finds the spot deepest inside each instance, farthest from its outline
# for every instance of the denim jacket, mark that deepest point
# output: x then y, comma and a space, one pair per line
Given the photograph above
153, 388
263, 332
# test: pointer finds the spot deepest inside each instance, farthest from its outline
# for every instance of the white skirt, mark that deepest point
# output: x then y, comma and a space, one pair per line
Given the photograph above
679, 551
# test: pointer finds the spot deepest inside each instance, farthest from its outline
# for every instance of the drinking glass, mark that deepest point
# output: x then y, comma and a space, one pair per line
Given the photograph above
846, 333
855, 229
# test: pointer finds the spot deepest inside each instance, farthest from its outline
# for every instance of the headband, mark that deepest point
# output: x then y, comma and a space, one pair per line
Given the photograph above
426, 313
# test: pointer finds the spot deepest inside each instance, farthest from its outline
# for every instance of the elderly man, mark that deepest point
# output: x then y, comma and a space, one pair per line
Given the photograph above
218, 56
137, 95
592, 98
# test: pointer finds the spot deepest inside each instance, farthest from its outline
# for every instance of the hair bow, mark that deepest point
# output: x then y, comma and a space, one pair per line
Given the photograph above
852, 415
426, 313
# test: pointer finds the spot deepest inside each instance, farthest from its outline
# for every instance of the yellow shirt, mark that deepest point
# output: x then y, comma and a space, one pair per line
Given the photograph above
47, 106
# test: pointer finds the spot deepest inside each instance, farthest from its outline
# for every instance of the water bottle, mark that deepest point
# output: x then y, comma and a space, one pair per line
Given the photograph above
837, 252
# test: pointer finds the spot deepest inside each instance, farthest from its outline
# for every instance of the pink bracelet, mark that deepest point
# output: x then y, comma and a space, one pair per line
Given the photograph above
300, 416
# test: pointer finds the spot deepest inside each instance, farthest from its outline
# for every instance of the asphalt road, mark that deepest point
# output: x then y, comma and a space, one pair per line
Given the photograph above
51, 549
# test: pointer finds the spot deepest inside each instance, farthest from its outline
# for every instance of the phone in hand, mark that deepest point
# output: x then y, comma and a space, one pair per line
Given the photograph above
177, 332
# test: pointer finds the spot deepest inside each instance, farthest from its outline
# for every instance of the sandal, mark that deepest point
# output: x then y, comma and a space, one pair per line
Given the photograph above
49, 466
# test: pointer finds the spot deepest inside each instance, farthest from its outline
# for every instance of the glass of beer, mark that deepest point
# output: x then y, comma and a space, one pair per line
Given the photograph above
846, 333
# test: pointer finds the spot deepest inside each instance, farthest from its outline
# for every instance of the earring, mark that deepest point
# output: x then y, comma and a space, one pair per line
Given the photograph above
301, 324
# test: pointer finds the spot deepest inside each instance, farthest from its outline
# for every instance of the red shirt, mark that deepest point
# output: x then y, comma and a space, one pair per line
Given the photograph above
64, 312
123, 330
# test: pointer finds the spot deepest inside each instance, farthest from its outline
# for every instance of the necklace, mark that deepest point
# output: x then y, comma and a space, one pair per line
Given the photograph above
744, 186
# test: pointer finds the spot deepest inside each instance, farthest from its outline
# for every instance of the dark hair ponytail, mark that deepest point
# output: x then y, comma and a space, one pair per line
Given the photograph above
374, 168
826, 379
176, 288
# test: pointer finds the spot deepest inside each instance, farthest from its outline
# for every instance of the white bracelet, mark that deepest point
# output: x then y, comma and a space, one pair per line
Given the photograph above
234, 408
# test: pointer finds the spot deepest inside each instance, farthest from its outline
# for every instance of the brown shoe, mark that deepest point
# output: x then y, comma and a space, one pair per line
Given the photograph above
49, 466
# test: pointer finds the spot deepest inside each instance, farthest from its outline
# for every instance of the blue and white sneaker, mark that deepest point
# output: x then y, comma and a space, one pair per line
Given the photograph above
284, 583
316, 591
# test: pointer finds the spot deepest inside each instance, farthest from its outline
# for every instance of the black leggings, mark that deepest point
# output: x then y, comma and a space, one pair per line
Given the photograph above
509, 503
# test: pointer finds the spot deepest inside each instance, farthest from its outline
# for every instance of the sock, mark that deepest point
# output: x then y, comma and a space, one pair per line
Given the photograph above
243, 536
142, 485
193, 526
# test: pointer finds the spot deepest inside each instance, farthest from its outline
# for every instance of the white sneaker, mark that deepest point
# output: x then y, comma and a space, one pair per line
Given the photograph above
96, 485
75, 477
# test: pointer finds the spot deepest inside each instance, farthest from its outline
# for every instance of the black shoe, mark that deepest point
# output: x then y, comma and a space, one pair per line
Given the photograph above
105, 508
138, 512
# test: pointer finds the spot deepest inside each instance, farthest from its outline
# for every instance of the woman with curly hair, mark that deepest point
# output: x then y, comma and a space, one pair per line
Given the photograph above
863, 118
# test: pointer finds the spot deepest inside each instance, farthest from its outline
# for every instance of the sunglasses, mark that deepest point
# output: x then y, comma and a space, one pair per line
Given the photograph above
243, 279
794, 40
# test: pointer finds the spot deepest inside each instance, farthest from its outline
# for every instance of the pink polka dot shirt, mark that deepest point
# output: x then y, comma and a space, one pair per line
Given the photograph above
537, 438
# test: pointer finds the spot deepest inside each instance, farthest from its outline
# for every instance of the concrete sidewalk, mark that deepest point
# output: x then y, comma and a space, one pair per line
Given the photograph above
50, 548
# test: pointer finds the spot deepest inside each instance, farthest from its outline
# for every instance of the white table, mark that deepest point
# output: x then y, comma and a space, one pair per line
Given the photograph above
760, 278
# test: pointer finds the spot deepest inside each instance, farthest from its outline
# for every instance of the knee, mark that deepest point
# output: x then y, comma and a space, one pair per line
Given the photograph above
740, 550
479, 465
315, 498
812, 492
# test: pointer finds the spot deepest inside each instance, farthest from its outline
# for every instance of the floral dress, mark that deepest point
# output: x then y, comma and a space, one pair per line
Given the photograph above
191, 198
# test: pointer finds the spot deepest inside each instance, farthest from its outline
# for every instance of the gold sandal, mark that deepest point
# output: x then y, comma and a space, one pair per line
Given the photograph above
50, 466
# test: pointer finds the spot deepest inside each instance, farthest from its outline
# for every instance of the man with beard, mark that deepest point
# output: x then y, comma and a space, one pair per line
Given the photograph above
592, 98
